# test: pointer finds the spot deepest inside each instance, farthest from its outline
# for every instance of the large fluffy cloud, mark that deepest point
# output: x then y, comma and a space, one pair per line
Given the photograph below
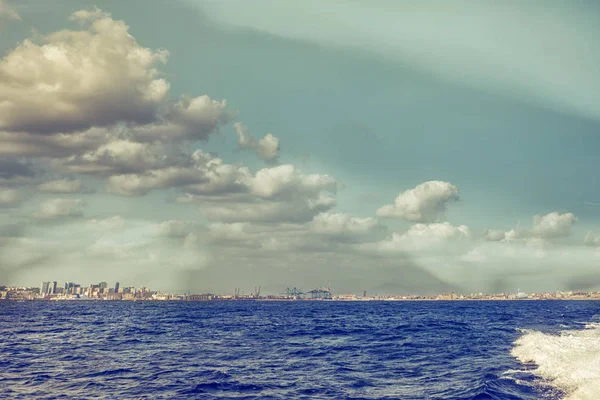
232, 193
553, 225
76, 79
426, 202
87, 95
281, 193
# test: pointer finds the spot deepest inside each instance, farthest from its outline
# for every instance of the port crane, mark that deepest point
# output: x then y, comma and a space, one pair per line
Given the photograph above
292, 292
320, 293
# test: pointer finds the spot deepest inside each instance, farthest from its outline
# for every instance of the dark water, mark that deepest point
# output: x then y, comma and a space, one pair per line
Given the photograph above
275, 350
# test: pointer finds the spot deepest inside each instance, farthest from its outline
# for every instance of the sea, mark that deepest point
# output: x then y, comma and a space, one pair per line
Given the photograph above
300, 350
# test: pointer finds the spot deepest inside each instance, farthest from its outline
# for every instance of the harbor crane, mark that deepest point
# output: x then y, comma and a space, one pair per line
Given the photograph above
292, 292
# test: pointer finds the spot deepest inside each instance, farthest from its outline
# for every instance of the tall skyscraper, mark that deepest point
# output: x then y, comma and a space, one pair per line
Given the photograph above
103, 285
44, 288
117, 287
53, 288
69, 287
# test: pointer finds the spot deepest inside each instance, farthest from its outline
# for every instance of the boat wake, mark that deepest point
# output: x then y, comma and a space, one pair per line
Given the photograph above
569, 360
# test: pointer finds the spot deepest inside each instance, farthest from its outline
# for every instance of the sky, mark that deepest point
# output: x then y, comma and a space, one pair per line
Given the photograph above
394, 147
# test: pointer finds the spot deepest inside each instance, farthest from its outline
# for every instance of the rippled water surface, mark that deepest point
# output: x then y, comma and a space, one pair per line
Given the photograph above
295, 350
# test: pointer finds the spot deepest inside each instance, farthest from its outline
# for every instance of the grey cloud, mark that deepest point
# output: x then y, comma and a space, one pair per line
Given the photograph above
300, 210
274, 194
10, 197
12, 230
494, 235
63, 186
231, 193
188, 119
589, 281
174, 228
346, 273
15, 170
54, 145
199, 173
60, 208
122, 156
122, 249
141, 184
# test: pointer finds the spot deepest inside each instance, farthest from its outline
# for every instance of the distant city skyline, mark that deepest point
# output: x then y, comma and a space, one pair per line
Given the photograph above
198, 146
49, 290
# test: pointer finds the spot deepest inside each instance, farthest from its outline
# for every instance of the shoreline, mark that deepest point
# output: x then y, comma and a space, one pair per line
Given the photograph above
293, 300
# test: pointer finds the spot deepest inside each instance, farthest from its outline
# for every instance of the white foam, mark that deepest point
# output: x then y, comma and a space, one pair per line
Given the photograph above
570, 360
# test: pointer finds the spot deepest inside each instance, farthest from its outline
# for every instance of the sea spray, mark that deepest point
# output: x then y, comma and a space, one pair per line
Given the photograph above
570, 360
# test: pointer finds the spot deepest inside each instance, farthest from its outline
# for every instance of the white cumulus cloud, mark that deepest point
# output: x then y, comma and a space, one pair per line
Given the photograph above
267, 148
426, 202
550, 226
426, 237
553, 225
75, 79
343, 224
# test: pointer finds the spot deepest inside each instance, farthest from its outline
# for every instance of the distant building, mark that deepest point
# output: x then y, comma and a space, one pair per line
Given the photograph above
44, 288
117, 287
53, 288
69, 287
103, 285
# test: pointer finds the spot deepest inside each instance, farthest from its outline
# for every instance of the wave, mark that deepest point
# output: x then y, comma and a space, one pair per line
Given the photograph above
570, 360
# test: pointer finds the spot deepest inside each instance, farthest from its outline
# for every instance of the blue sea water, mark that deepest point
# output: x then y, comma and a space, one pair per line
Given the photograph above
298, 350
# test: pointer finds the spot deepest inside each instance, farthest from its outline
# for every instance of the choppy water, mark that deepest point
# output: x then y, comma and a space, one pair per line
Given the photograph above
285, 350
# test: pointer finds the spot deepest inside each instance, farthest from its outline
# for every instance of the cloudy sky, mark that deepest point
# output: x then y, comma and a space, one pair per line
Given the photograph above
394, 147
